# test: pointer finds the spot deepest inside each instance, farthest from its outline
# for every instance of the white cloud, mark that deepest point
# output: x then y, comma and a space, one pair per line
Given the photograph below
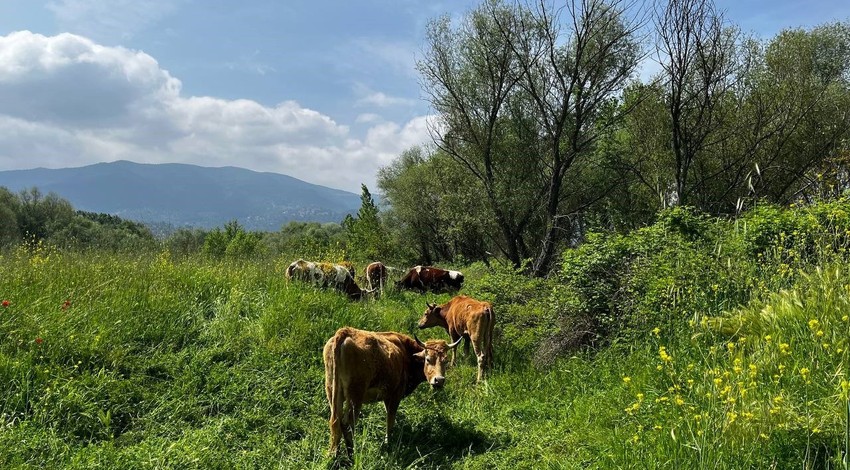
68, 101
382, 100
367, 118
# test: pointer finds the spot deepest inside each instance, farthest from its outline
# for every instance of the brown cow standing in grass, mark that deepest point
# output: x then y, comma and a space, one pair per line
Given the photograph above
465, 317
364, 366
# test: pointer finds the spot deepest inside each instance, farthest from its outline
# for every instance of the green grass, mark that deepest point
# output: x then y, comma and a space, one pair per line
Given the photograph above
162, 363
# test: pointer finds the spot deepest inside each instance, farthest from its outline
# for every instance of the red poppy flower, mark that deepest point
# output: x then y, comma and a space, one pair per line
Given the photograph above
66, 304
38, 340
5, 303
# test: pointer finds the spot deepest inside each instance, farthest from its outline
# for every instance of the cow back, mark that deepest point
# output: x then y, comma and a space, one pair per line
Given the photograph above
378, 363
464, 314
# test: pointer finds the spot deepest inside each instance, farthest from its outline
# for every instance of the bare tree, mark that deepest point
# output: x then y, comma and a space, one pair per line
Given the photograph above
571, 71
469, 73
695, 50
523, 99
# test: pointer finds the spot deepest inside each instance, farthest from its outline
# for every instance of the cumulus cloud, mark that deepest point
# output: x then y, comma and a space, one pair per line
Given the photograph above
68, 101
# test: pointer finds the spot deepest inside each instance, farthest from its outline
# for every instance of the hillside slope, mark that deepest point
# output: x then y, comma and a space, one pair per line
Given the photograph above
188, 195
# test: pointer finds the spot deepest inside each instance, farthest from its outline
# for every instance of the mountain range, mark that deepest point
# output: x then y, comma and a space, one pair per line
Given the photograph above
184, 195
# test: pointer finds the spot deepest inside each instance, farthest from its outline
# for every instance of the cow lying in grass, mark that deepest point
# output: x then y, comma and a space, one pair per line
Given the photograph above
326, 275
429, 278
364, 366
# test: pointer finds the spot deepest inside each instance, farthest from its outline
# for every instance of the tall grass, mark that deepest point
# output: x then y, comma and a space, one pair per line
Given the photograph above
145, 361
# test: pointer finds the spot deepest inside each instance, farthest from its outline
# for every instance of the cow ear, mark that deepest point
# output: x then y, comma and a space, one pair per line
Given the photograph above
421, 354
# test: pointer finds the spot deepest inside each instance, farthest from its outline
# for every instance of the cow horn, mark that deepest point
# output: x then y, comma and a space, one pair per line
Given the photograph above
454, 345
418, 341
430, 305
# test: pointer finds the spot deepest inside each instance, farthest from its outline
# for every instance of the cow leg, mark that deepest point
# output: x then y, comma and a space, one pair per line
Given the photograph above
356, 393
392, 408
348, 427
480, 353
456, 337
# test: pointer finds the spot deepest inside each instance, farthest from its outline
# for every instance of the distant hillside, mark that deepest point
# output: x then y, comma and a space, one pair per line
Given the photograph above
188, 195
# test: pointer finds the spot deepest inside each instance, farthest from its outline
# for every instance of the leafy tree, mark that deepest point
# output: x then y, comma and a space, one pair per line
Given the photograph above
310, 240
233, 241
366, 235
39, 216
9, 209
185, 242
434, 209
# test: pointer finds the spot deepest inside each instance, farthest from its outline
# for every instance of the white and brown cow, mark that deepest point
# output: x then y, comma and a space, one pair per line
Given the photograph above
376, 275
465, 317
365, 366
429, 278
326, 275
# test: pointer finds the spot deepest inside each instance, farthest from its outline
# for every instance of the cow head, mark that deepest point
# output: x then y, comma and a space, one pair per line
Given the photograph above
432, 317
434, 354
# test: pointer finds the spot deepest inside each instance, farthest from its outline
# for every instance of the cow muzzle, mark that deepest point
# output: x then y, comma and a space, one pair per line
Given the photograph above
438, 381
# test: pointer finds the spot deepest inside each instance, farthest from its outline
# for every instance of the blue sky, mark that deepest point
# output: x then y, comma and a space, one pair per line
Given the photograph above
323, 91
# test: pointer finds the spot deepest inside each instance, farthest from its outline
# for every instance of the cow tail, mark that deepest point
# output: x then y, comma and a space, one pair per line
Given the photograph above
491, 322
336, 399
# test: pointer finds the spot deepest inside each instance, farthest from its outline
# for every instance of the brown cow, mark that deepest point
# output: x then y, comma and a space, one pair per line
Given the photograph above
424, 278
326, 275
364, 366
465, 317
376, 275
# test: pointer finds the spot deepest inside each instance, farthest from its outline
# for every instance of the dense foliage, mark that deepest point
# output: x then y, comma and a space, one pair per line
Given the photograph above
34, 217
546, 131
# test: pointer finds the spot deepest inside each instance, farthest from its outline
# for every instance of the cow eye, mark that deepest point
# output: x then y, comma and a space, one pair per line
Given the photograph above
431, 359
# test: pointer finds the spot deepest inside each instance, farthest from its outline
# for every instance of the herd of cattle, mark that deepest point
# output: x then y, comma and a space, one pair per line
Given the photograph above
366, 366
341, 277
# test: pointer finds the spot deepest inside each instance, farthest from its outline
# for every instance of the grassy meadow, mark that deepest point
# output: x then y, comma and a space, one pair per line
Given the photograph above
728, 350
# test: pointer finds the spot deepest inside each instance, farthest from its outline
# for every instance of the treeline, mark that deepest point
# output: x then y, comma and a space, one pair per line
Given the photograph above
548, 128
32, 217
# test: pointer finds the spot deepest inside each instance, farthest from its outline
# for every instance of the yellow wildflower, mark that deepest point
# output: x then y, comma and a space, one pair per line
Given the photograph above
662, 352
